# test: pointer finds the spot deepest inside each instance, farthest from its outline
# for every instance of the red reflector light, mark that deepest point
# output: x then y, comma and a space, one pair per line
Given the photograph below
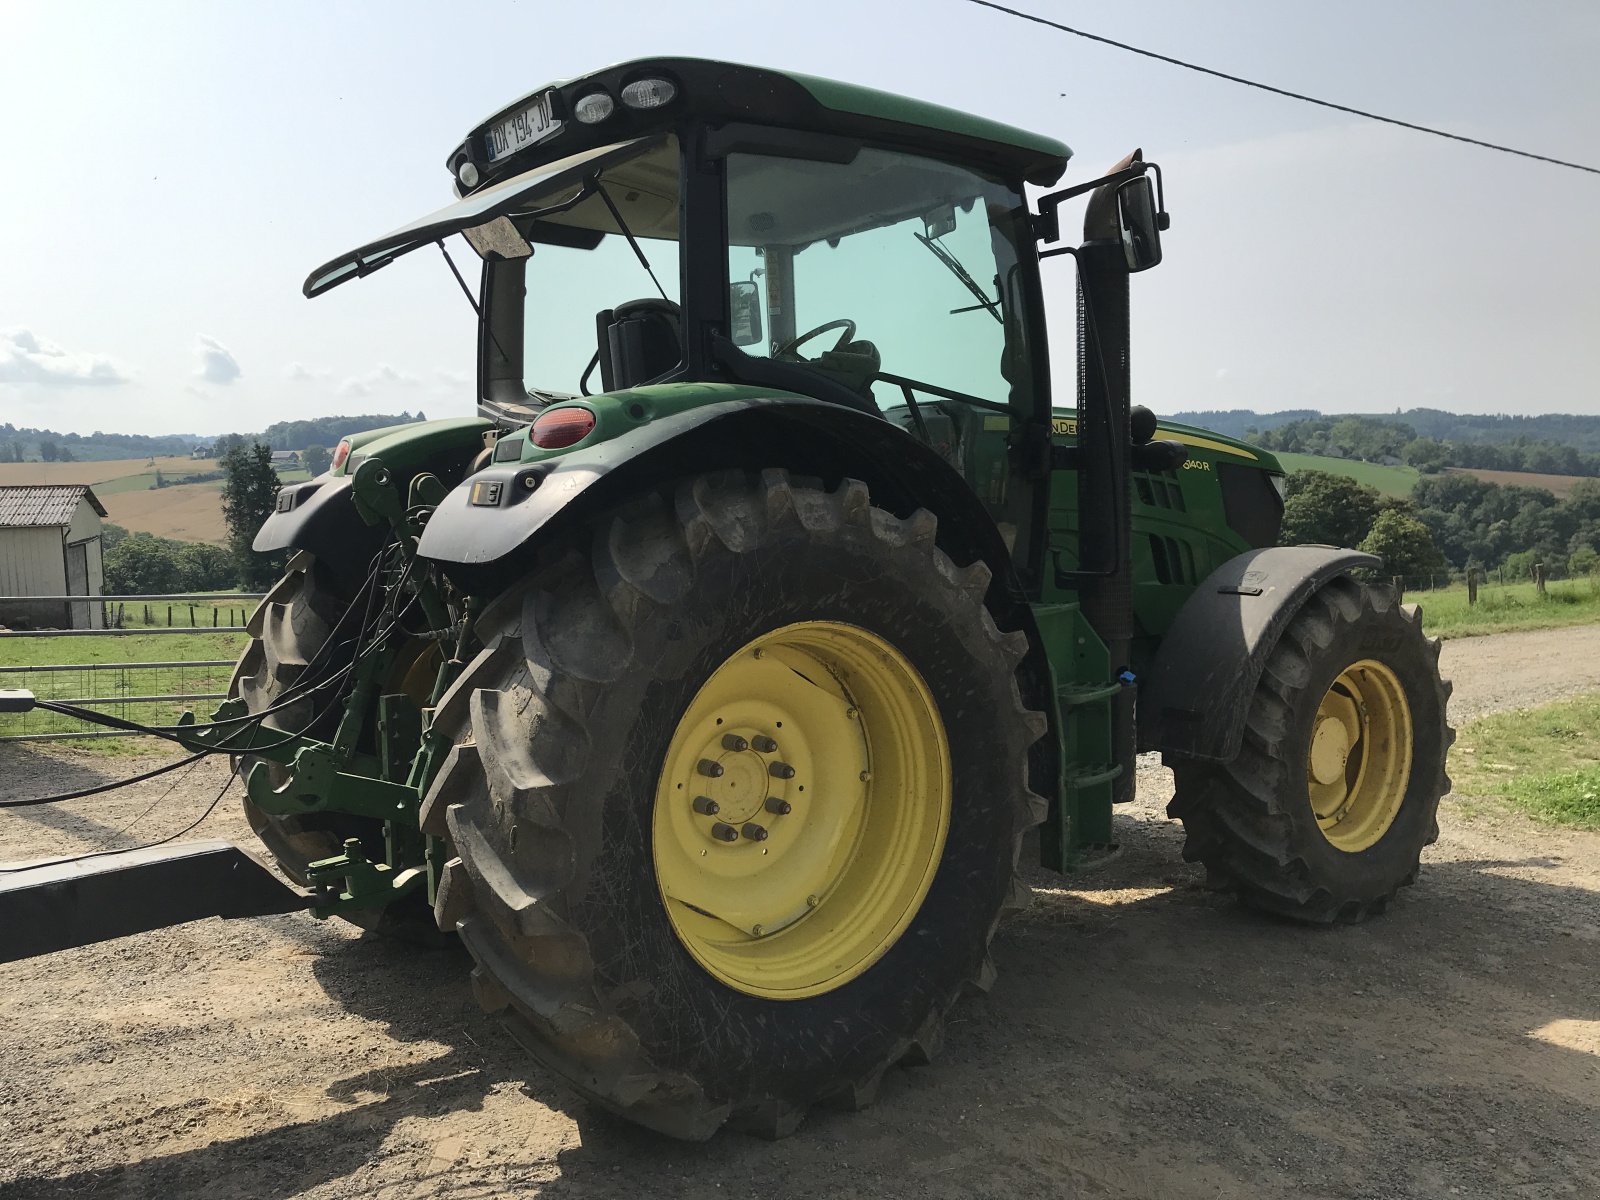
339, 455
561, 427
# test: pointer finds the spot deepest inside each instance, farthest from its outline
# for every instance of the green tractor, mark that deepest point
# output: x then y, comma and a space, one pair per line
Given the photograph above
714, 681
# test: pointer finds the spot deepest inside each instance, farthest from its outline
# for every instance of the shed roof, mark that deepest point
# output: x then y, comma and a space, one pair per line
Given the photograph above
43, 505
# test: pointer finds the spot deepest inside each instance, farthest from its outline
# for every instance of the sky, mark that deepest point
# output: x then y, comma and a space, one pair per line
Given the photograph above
172, 171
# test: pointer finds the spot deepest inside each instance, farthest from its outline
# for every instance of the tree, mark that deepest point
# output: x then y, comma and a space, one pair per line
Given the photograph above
141, 564
1425, 453
1404, 544
48, 450
1327, 510
249, 493
317, 459
206, 568
226, 444
1585, 560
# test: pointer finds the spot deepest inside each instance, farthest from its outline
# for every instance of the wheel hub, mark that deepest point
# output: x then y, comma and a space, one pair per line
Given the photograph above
801, 809
1358, 764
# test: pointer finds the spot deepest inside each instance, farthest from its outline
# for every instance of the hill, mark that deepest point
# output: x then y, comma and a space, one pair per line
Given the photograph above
1579, 431
188, 511
1391, 481
1560, 485
24, 444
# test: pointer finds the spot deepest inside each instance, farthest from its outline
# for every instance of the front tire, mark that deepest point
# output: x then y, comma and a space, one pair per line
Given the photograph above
698, 923
1324, 813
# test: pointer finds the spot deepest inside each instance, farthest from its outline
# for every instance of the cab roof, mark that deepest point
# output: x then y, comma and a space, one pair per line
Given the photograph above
722, 92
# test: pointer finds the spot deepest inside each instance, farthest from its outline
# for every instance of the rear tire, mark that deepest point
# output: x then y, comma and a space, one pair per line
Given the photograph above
1325, 811
567, 727
288, 630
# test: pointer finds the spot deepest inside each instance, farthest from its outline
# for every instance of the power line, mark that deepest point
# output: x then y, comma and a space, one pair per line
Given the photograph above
1278, 91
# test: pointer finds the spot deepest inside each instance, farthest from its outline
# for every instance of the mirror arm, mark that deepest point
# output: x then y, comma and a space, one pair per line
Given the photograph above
1047, 222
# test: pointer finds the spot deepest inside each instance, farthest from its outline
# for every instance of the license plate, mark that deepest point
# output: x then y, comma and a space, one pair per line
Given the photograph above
532, 124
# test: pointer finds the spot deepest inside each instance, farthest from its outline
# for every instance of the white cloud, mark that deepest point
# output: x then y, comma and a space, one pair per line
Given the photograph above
217, 364
1222, 373
298, 372
380, 378
27, 358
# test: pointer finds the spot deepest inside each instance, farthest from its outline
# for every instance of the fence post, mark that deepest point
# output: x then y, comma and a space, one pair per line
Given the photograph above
1399, 587
1538, 578
1472, 586
214, 613
169, 616
191, 617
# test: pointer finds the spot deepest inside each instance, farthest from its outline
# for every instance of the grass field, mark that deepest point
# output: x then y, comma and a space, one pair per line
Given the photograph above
1545, 761
1445, 612
134, 681
1391, 481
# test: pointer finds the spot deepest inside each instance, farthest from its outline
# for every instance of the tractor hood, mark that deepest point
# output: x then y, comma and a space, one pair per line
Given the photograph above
477, 209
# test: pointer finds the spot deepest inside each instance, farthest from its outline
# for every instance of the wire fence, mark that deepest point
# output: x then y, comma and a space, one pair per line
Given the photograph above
202, 628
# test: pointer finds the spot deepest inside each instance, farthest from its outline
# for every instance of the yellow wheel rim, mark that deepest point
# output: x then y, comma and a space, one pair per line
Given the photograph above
1359, 760
801, 810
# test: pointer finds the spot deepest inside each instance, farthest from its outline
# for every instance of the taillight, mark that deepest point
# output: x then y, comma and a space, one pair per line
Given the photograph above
561, 427
339, 455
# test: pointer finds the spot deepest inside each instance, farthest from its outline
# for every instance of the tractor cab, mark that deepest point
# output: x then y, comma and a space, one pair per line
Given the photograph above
676, 221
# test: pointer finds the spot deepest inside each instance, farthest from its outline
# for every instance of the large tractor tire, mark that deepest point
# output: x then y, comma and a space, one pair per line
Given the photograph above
737, 795
1324, 813
287, 631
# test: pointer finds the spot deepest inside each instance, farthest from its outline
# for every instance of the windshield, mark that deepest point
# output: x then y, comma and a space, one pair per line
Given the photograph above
584, 263
887, 273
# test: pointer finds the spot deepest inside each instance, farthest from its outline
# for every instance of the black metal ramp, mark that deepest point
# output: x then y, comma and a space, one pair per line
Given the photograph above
60, 903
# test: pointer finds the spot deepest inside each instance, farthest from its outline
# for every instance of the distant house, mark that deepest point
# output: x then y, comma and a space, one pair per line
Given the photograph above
285, 460
200, 452
50, 546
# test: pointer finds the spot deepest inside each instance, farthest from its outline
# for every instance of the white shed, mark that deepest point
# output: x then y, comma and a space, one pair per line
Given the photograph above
50, 546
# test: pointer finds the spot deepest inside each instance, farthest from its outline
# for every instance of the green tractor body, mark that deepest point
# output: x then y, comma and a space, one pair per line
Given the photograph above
773, 486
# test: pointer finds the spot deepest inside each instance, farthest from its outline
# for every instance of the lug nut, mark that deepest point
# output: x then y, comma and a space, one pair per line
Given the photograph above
781, 770
756, 930
732, 741
764, 744
781, 807
724, 832
754, 832
812, 901
706, 806
709, 768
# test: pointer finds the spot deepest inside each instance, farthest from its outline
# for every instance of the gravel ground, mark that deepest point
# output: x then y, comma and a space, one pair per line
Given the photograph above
1146, 1038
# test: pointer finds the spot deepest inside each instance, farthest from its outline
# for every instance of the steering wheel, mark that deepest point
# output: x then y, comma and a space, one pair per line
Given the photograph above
788, 349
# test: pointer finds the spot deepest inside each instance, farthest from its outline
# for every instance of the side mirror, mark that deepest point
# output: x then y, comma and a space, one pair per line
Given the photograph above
744, 313
1141, 223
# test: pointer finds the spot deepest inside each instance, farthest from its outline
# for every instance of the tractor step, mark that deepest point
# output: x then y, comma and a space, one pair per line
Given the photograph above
61, 903
1075, 695
1092, 773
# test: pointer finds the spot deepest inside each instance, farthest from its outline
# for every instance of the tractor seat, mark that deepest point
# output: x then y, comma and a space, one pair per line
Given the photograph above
639, 341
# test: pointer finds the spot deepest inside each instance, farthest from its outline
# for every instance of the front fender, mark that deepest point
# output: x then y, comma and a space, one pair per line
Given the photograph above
1196, 692
320, 514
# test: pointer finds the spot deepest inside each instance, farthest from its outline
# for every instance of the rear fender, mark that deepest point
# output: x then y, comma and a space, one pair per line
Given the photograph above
486, 533
1196, 693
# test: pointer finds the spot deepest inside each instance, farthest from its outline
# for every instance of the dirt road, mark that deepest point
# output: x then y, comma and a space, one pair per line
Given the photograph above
1146, 1038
